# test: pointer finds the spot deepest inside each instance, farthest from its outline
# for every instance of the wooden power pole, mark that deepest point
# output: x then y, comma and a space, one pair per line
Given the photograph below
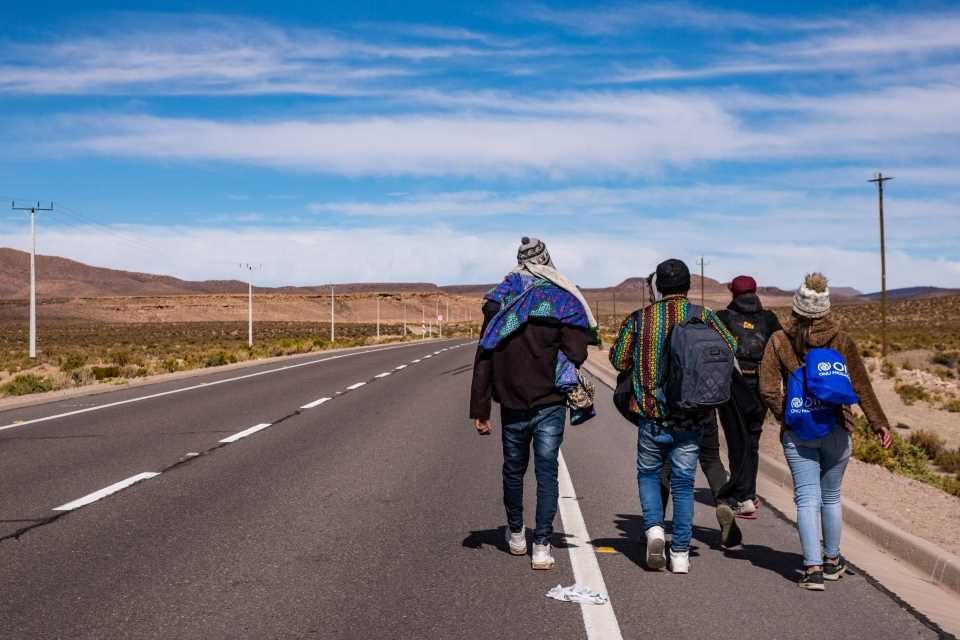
880, 179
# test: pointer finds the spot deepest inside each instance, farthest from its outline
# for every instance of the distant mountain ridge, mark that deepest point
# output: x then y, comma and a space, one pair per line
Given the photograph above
913, 293
64, 278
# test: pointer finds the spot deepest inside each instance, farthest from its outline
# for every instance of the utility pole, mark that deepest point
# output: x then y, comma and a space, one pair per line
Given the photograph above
880, 179
403, 313
378, 316
333, 317
446, 314
702, 265
614, 305
423, 321
250, 267
33, 209
438, 318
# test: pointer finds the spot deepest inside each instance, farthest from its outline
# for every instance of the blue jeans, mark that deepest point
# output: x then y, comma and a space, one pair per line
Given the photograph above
655, 443
544, 427
817, 467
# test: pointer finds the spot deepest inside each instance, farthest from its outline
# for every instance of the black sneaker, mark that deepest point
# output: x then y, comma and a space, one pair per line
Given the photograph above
730, 535
835, 570
812, 580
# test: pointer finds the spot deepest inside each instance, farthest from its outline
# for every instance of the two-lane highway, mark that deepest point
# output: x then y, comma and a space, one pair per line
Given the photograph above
376, 514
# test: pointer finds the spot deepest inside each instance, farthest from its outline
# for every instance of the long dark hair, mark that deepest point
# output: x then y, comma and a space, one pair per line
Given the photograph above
801, 335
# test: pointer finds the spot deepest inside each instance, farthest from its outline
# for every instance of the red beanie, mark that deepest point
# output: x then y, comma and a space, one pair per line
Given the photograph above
741, 285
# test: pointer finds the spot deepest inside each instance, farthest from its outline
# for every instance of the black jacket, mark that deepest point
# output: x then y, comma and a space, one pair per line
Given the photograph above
520, 373
752, 325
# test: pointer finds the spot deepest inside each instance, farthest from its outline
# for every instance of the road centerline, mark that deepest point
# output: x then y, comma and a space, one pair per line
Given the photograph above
316, 403
246, 432
106, 491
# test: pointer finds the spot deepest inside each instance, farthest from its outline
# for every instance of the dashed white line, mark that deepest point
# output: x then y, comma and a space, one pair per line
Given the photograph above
246, 432
23, 423
383, 375
315, 403
106, 491
355, 385
400, 367
599, 620
415, 361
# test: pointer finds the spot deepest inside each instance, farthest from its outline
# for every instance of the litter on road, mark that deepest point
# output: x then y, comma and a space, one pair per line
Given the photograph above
578, 593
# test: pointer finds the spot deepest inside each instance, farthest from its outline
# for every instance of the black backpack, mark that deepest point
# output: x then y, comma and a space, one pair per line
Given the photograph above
700, 366
752, 333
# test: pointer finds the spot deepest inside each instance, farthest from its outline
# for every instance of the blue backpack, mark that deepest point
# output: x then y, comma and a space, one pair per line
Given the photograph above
815, 392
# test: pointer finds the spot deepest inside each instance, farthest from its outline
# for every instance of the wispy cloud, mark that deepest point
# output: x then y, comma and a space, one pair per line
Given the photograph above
218, 55
630, 133
598, 21
909, 43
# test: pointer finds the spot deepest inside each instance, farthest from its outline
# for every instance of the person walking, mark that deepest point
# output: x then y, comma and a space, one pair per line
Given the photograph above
752, 325
535, 322
817, 464
663, 433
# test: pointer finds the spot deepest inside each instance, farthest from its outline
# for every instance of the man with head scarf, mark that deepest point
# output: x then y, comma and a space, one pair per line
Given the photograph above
536, 322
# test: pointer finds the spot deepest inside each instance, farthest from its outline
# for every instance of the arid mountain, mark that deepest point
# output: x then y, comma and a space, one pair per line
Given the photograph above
913, 293
64, 278
61, 278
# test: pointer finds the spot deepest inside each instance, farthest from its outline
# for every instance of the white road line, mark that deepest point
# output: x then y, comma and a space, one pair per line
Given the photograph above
246, 432
355, 385
400, 368
106, 491
415, 361
599, 620
383, 375
23, 423
315, 403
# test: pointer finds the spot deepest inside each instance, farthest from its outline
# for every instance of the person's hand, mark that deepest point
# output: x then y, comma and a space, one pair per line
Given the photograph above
885, 438
483, 427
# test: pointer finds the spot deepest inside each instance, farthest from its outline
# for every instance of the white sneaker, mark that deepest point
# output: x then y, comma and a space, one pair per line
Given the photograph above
542, 556
655, 548
517, 542
679, 561
746, 508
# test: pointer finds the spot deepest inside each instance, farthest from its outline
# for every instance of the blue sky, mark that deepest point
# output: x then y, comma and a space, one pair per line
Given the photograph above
419, 141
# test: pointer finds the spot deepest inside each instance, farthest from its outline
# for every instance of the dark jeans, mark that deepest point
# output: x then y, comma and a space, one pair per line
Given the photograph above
744, 450
544, 428
710, 461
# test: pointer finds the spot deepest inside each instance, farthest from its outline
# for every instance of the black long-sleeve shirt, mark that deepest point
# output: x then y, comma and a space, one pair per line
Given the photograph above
521, 372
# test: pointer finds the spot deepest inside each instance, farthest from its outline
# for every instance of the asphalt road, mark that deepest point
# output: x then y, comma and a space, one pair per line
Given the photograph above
376, 514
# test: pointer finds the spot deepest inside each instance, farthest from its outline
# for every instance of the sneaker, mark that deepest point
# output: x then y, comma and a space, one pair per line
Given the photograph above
656, 559
679, 561
812, 580
746, 509
730, 535
517, 542
834, 568
542, 556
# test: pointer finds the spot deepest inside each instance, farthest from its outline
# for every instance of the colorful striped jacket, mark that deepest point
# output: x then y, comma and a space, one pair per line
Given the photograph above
645, 353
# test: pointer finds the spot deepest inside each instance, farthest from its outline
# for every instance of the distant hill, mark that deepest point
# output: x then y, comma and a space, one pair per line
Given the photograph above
913, 293
61, 277
64, 278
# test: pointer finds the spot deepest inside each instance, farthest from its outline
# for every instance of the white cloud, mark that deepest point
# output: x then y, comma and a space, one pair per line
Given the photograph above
669, 131
600, 21
215, 55
908, 47
627, 133
445, 255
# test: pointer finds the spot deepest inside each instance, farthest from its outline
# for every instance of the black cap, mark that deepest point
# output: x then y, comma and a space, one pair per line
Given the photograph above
673, 276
